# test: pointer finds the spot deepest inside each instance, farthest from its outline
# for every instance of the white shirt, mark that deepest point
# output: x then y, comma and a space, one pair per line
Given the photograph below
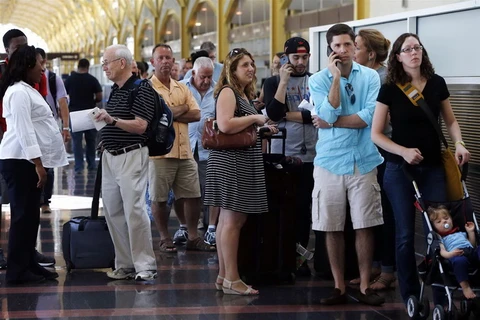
31, 129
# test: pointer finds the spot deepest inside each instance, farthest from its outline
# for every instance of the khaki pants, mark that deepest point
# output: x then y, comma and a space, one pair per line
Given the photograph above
124, 181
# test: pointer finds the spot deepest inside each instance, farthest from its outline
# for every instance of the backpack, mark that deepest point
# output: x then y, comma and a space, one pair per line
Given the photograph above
160, 132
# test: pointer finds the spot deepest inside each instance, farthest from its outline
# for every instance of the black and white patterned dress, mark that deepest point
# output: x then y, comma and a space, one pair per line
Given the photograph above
236, 178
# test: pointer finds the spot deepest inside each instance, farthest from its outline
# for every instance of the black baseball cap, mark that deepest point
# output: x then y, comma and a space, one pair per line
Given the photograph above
292, 45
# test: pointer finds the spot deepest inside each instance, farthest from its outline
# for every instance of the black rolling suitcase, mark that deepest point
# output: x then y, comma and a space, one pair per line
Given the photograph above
267, 247
86, 241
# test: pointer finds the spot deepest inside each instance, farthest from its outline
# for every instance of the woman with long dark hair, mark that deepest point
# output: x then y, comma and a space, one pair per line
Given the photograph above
31, 144
414, 141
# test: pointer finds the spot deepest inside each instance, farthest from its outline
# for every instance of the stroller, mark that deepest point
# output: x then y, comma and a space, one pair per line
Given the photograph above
435, 270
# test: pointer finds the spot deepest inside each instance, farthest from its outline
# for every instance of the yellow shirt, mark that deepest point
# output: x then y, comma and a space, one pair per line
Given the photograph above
178, 94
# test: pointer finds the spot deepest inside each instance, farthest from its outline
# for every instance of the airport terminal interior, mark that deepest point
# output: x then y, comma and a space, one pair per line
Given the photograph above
184, 289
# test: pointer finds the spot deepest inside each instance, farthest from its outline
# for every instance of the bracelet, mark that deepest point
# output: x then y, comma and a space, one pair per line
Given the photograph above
66, 128
460, 142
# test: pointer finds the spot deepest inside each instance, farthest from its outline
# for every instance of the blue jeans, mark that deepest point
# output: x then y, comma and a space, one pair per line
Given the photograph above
90, 143
400, 192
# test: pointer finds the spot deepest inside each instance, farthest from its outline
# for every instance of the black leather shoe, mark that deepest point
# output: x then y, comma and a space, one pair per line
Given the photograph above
43, 260
335, 298
27, 277
48, 275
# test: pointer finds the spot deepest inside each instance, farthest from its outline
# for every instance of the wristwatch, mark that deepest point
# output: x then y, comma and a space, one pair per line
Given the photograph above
114, 122
330, 124
460, 142
66, 129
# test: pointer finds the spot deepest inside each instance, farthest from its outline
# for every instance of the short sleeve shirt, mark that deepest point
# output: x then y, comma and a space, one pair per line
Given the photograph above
410, 126
125, 105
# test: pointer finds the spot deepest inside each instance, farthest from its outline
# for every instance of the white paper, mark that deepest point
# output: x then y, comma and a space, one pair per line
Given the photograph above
83, 120
307, 106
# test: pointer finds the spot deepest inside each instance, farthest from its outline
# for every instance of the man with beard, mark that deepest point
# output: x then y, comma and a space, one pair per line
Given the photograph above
283, 94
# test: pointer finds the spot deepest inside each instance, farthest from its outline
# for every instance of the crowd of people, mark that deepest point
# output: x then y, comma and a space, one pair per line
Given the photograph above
351, 147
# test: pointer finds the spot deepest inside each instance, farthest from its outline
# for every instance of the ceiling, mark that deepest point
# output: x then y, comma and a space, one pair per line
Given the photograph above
78, 23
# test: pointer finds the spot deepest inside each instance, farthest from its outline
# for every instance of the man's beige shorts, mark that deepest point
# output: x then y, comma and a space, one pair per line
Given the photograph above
180, 175
331, 193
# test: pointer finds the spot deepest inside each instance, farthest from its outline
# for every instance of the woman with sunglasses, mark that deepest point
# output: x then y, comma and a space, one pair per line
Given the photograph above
235, 178
414, 141
371, 50
31, 144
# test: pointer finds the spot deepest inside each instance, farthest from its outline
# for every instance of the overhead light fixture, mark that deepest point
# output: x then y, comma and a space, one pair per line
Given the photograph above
168, 32
198, 24
238, 13
204, 9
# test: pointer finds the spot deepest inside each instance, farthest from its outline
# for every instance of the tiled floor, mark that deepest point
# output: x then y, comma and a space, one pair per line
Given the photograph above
184, 288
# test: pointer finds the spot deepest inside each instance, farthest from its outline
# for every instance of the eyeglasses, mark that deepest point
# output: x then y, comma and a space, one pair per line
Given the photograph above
106, 63
350, 92
236, 51
409, 50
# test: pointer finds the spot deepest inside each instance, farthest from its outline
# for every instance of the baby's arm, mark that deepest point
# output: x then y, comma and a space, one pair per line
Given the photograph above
448, 255
470, 227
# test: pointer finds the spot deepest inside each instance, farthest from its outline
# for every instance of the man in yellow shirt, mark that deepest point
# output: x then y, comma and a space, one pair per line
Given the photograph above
178, 169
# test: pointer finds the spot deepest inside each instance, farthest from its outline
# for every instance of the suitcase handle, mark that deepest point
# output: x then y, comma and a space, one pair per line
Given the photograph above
282, 134
97, 190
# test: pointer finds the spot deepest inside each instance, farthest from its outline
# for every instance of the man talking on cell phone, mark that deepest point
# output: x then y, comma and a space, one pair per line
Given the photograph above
283, 95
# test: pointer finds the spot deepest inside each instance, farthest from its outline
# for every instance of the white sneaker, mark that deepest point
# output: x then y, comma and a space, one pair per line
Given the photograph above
147, 275
121, 274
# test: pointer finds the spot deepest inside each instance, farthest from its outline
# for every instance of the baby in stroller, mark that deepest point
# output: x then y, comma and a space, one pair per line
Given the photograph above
460, 248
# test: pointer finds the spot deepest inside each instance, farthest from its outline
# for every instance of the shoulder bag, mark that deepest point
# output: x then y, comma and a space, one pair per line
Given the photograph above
214, 139
453, 176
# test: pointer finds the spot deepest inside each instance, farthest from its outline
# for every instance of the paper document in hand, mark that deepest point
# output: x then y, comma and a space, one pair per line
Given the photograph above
82, 121
307, 106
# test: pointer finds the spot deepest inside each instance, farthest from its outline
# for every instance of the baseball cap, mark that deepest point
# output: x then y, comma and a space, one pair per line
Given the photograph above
292, 45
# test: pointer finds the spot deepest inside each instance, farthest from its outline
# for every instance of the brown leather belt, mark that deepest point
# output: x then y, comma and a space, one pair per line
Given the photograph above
126, 149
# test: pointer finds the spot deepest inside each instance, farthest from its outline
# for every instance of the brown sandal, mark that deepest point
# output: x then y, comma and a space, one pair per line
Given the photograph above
167, 246
387, 283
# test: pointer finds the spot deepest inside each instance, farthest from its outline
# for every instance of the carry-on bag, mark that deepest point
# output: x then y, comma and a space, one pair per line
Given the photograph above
267, 247
86, 241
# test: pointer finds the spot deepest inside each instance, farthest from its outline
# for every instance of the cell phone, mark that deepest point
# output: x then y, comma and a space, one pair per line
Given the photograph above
284, 60
329, 51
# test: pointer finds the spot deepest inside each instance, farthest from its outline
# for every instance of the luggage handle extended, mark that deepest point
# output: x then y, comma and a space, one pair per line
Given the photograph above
282, 134
97, 190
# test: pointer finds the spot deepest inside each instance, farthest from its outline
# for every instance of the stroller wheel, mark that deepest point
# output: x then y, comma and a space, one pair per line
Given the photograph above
424, 311
465, 308
413, 308
438, 313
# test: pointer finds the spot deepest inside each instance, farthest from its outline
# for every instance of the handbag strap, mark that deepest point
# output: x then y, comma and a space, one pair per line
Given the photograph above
418, 100
236, 100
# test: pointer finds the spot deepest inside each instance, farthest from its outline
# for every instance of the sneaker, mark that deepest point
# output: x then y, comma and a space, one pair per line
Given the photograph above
121, 274
181, 236
209, 237
45, 208
44, 260
3, 261
147, 275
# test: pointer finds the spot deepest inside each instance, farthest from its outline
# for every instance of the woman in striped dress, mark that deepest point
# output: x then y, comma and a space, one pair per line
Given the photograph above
235, 179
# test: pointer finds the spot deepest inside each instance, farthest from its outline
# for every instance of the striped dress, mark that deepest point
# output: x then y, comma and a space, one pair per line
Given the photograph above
236, 178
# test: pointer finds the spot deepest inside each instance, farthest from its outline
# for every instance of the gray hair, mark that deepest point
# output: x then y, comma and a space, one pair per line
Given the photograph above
202, 62
121, 51
208, 46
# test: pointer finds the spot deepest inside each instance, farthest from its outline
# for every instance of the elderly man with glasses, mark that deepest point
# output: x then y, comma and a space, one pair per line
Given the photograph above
345, 171
125, 167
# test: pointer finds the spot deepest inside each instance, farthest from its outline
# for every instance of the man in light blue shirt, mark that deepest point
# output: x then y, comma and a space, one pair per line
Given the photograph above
344, 95
212, 53
202, 86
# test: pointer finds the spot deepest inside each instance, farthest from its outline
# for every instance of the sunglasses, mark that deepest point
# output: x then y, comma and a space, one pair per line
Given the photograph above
236, 51
350, 92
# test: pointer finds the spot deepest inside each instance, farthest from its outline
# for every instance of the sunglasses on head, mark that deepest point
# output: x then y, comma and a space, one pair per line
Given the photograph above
236, 51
